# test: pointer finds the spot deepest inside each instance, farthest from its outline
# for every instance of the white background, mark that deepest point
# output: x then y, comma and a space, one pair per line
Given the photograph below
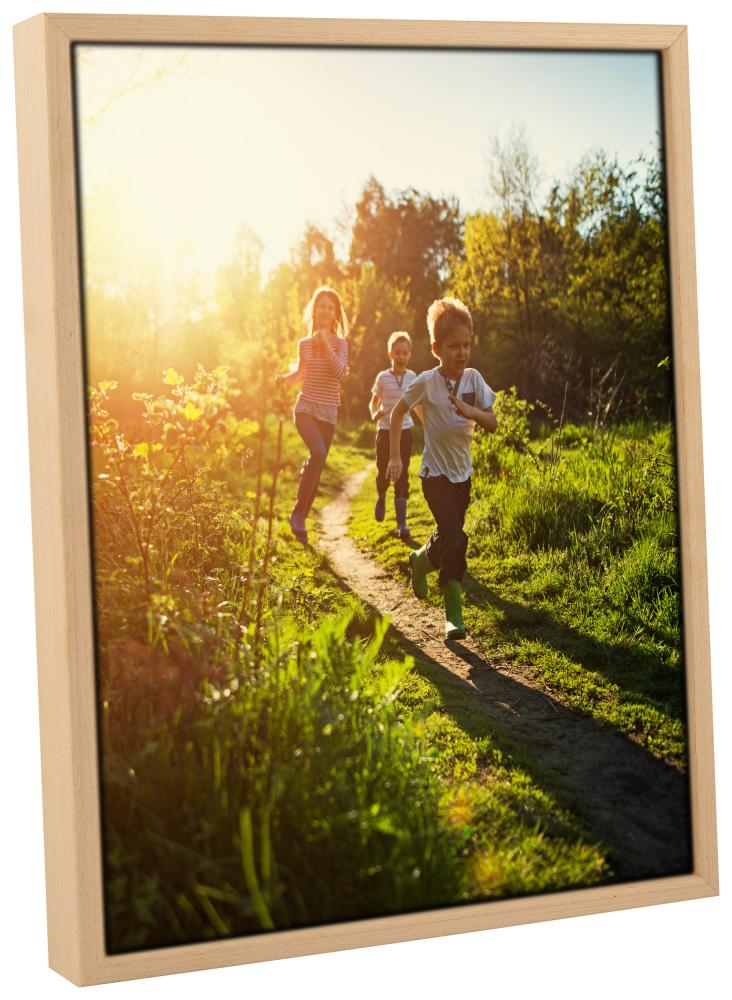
669, 951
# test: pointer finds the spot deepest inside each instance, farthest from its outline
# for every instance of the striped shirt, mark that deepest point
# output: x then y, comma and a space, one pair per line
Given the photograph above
322, 375
390, 388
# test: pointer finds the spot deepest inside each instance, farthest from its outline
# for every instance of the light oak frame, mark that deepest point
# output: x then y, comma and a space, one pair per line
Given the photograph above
57, 431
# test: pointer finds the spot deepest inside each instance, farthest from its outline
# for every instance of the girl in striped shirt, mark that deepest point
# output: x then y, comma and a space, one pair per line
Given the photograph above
322, 366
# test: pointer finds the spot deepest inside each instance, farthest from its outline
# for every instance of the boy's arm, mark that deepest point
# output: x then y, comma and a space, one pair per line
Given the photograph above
484, 418
375, 407
394, 468
418, 410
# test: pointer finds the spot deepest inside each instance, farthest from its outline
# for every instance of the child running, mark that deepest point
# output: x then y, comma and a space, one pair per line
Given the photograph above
453, 398
322, 365
388, 387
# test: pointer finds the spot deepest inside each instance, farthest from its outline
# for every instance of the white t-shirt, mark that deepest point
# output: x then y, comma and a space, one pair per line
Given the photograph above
447, 435
390, 388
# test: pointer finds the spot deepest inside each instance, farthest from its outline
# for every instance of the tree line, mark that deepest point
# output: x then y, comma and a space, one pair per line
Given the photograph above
569, 291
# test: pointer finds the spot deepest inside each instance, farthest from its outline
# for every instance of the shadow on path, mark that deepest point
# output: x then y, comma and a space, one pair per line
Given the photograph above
636, 804
645, 681
624, 796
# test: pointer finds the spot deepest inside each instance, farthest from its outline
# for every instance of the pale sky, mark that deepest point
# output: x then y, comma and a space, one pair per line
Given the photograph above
186, 144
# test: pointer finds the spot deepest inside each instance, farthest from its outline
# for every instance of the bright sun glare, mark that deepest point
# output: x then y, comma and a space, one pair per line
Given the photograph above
180, 147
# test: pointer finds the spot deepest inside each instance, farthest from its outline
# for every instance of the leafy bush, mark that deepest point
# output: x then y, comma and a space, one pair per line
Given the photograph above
156, 492
490, 451
165, 527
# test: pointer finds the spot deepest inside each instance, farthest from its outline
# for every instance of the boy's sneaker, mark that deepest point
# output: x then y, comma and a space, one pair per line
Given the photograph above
380, 508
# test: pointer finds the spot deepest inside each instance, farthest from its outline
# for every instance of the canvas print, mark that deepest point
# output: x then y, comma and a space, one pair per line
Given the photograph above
382, 481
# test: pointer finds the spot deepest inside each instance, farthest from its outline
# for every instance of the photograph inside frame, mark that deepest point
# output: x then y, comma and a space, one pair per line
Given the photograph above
383, 482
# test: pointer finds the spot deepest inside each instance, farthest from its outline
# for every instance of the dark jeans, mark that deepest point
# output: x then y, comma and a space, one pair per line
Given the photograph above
318, 436
401, 486
448, 542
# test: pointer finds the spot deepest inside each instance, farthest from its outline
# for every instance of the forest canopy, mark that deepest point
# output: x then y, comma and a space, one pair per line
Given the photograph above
568, 289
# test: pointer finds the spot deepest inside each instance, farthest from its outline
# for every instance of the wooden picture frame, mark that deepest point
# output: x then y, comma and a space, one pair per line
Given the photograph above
65, 637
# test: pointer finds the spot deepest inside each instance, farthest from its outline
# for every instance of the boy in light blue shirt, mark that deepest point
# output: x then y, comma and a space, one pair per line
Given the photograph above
387, 389
453, 399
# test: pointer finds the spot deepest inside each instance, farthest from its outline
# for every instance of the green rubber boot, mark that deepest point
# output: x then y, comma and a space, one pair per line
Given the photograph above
420, 566
452, 596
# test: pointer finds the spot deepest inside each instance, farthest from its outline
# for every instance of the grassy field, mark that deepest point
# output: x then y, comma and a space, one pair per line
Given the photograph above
270, 758
573, 566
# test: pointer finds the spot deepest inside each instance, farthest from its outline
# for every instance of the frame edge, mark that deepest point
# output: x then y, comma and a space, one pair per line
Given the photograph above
59, 498
60, 530
236, 30
688, 429
398, 928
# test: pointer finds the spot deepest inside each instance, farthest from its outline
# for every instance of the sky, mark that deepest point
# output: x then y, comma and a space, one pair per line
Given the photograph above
184, 145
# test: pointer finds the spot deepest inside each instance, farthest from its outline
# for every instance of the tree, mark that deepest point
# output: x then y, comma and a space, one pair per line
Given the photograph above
376, 308
514, 179
504, 277
124, 295
563, 291
314, 261
409, 238
616, 299
237, 283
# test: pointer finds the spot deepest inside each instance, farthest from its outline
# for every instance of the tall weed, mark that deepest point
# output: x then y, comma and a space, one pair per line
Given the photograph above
299, 798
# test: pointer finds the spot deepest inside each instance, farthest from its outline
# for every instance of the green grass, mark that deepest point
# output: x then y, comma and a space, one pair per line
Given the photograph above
573, 571
294, 798
295, 773
514, 836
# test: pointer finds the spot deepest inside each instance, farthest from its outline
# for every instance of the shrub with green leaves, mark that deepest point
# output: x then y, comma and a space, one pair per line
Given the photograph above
163, 521
156, 499
492, 452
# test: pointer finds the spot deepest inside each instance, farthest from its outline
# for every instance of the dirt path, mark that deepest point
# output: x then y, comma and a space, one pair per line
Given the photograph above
635, 804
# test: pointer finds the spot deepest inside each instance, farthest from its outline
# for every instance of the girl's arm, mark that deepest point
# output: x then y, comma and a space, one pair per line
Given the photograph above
338, 360
418, 410
295, 373
292, 376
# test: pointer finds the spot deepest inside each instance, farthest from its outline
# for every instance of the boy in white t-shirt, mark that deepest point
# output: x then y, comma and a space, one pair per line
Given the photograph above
453, 399
389, 387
